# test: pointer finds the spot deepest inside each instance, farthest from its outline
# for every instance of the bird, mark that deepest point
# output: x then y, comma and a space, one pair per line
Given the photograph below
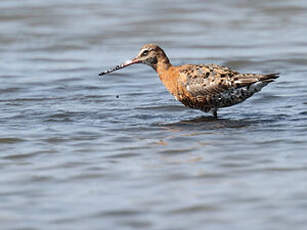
206, 87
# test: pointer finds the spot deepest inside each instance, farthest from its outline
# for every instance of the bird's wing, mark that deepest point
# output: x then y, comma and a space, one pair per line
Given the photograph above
210, 80
206, 79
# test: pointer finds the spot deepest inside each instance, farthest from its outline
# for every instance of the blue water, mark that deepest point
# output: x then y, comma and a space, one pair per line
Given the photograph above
82, 152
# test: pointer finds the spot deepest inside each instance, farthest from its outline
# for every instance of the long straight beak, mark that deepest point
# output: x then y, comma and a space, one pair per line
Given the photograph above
121, 66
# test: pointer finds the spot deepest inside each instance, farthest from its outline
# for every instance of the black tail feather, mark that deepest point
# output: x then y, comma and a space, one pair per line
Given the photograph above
271, 76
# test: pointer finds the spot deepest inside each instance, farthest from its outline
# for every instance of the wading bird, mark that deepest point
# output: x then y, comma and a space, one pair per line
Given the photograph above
204, 87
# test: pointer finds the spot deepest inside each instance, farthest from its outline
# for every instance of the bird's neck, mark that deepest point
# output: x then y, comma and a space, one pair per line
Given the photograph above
168, 75
163, 64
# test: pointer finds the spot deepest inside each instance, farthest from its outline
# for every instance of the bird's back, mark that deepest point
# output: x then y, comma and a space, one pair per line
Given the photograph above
213, 86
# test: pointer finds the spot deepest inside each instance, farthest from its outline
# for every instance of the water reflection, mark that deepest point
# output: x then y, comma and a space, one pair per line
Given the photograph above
206, 123
120, 152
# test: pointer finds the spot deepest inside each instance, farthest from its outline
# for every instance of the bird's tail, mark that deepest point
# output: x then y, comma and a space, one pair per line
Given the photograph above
268, 77
247, 79
254, 82
263, 80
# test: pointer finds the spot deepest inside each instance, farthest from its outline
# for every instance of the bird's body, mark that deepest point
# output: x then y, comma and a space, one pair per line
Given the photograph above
205, 87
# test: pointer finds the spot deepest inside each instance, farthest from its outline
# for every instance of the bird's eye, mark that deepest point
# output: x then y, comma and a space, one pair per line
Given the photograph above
145, 52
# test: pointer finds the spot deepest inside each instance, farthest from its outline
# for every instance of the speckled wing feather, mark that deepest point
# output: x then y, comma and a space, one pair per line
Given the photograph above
214, 86
206, 79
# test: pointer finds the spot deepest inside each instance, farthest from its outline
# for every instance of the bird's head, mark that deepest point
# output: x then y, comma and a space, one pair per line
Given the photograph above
150, 54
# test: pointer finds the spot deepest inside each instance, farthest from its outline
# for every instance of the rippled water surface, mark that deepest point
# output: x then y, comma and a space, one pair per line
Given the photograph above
81, 152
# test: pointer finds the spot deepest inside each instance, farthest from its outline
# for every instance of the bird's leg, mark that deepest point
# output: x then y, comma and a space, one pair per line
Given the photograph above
214, 112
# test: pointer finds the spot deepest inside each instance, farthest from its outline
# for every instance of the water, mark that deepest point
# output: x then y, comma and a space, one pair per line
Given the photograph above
81, 152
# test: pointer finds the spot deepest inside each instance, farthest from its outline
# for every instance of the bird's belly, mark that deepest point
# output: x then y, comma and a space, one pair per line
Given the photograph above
196, 103
231, 97
219, 100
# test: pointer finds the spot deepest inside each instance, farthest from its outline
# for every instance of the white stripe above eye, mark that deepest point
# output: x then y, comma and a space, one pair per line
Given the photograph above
142, 50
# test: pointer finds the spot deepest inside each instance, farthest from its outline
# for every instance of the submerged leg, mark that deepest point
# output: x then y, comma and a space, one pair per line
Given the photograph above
214, 112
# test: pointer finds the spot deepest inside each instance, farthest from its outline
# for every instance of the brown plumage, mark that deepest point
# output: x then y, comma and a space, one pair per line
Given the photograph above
204, 87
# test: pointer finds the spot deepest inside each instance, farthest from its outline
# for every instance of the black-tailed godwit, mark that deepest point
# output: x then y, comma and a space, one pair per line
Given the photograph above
205, 87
